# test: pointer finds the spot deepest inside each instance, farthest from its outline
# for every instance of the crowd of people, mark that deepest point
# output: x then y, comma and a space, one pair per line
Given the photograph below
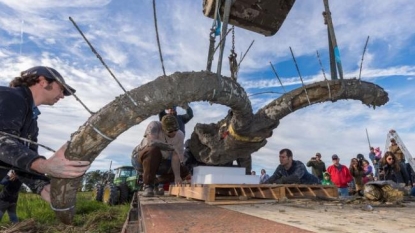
349, 180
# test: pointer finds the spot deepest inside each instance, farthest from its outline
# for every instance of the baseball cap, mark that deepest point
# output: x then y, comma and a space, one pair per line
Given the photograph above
169, 123
334, 156
318, 154
49, 73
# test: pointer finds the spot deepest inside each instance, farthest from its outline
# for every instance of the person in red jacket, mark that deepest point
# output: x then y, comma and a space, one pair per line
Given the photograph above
340, 175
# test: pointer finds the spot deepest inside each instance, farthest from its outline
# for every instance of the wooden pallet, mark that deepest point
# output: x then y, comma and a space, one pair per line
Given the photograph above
307, 191
237, 193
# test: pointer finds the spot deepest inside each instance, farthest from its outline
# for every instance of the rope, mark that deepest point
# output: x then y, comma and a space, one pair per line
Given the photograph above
245, 53
243, 138
324, 74
27, 140
363, 55
157, 36
70, 91
283, 88
56, 209
18, 169
103, 63
299, 74
100, 133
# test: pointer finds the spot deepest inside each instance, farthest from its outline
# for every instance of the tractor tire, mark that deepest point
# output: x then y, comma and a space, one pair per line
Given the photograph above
111, 195
97, 193
124, 193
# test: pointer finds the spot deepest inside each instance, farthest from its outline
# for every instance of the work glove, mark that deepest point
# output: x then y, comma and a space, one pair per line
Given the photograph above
184, 105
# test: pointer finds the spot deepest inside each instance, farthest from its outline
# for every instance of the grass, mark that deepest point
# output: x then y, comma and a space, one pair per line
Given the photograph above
91, 216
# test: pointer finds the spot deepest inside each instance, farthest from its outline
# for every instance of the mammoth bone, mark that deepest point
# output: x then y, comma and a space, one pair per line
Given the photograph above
247, 132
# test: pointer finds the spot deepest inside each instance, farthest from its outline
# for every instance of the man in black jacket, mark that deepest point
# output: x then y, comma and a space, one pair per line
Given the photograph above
291, 171
39, 85
9, 195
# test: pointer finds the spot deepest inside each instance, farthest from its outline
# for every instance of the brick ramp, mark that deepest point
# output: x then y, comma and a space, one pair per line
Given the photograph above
200, 217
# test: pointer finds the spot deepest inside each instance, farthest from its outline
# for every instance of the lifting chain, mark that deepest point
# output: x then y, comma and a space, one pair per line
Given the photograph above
211, 48
233, 64
214, 31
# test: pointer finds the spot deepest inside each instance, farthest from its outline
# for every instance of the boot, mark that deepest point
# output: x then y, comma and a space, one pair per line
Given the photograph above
148, 191
159, 191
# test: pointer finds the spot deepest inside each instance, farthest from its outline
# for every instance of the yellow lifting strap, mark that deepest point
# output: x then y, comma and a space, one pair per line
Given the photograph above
243, 138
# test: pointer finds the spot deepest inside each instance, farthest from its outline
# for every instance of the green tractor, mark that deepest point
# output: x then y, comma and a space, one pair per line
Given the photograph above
126, 182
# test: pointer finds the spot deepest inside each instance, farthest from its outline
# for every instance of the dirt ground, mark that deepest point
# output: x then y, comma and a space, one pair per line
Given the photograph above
336, 216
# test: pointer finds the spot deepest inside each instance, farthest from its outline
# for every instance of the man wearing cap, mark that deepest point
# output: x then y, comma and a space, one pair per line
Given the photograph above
291, 171
36, 86
340, 176
161, 148
318, 167
181, 119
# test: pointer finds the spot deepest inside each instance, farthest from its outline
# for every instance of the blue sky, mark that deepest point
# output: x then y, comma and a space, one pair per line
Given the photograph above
40, 33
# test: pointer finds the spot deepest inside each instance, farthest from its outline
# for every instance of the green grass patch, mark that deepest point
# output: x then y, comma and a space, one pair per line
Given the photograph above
91, 216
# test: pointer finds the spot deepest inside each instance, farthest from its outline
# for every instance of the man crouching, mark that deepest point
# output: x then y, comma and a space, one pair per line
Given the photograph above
161, 146
291, 171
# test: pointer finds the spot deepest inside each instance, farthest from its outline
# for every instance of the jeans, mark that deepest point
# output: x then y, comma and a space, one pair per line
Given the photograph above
343, 192
11, 211
376, 168
150, 163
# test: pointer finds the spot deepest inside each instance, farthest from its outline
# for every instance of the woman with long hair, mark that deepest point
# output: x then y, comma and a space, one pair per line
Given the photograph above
356, 170
392, 169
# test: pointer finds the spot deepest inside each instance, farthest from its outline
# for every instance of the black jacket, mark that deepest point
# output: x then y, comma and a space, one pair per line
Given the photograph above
400, 176
17, 117
10, 192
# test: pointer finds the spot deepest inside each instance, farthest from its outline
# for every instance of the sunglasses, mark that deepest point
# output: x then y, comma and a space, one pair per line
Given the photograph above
172, 131
334, 159
390, 159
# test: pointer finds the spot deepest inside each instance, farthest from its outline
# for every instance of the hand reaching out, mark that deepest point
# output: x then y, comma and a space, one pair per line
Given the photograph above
184, 105
177, 180
60, 167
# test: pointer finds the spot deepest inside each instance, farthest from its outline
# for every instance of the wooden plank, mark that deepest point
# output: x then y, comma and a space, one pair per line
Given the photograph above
211, 193
215, 192
277, 193
239, 202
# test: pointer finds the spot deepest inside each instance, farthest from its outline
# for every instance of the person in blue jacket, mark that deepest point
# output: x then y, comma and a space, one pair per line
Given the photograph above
291, 171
